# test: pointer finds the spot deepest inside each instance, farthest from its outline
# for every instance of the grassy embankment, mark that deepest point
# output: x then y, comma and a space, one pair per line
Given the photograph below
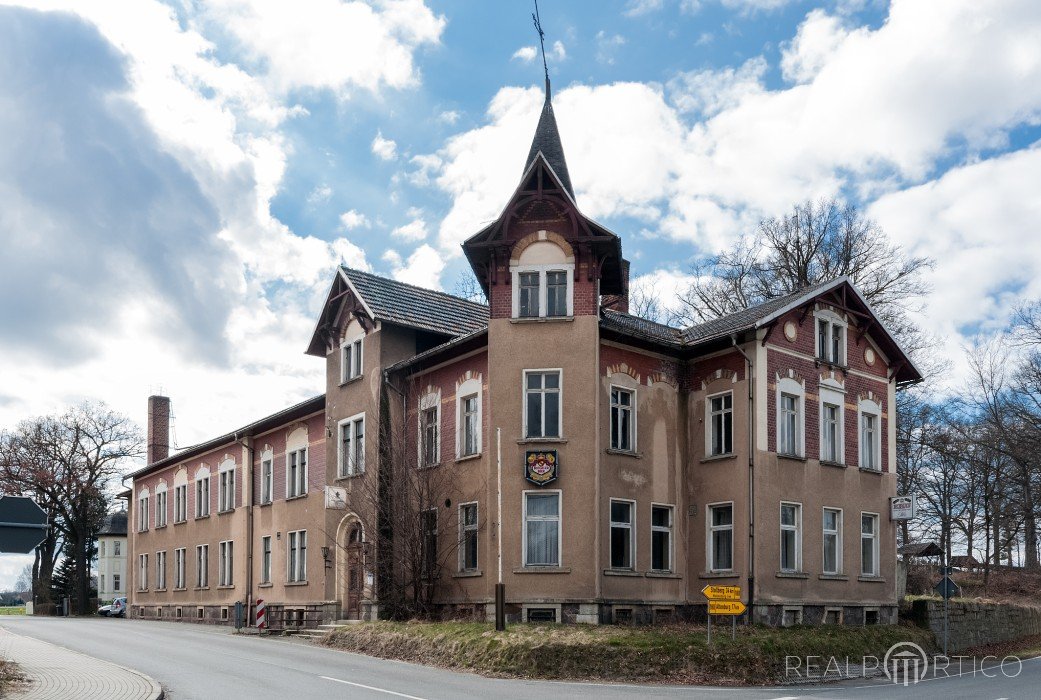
12, 610
671, 654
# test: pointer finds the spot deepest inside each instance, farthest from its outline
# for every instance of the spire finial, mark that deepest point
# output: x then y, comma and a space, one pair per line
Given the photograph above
542, 43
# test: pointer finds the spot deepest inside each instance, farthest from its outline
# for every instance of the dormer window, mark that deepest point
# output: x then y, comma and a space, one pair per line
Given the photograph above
831, 338
351, 353
529, 295
543, 282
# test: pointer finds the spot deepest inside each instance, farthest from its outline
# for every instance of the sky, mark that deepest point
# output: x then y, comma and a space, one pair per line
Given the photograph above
179, 180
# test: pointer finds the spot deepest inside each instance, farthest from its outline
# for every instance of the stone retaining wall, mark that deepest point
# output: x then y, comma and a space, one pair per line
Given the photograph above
977, 624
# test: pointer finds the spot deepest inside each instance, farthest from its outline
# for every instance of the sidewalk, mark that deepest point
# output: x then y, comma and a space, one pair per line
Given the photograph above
55, 672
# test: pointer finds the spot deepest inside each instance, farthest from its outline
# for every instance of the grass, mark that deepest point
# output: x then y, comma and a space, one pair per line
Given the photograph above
9, 676
12, 610
674, 654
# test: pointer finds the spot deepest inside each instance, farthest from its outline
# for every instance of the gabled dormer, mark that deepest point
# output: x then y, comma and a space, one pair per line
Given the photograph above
542, 258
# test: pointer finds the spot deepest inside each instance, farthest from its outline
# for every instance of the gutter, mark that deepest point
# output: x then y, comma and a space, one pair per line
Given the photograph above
247, 443
751, 470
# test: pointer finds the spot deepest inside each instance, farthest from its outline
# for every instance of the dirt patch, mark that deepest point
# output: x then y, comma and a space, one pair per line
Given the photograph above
10, 677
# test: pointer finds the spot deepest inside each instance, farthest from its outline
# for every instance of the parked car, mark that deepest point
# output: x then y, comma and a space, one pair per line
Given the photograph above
118, 608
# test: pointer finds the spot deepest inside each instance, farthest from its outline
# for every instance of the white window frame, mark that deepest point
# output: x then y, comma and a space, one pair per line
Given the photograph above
180, 563
296, 556
469, 388
267, 476
876, 539
668, 530
202, 483
835, 324
142, 572
631, 526
430, 401
830, 396
710, 424
161, 505
790, 387
226, 563
542, 268
837, 533
297, 487
117, 582
352, 358
265, 559
115, 549
465, 530
142, 510
560, 403
711, 529
797, 529
202, 566
560, 526
160, 570
870, 408
180, 502
226, 486
354, 462
632, 408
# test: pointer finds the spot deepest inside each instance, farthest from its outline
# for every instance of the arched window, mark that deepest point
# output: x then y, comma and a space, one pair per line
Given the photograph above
202, 492
468, 417
543, 282
791, 417
869, 420
226, 485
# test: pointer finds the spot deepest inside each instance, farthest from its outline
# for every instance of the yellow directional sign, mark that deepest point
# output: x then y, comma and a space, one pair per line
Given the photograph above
726, 607
722, 592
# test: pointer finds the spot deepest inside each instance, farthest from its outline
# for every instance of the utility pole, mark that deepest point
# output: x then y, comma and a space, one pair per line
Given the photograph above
500, 588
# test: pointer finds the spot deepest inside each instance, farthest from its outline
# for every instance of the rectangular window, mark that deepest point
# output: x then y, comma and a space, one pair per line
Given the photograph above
180, 503
431, 438
868, 544
468, 537
116, 583
529, 294
142, 572
227, 562
830, 449
350, 361
542, 404
822, 339
296, 473
832, 541
267, 480
115, 545
541, 529
471, 425
869, 441
830, 345
428, 527
556, 293
721, 417
226, 491
791, 536
101, 548
160, 509
788, 425
265, 559
179, 567
661, 538
202, 565
142, 513
622, 534
622, 419
297, 568
202, 497
721, 537
160, 570
352, 446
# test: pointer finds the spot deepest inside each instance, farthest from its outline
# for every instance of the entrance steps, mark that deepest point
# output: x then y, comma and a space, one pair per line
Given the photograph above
322, 630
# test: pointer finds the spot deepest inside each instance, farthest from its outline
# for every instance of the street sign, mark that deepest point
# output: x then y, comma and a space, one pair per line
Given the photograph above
901, 508
726, 607
722, 592
23, 525
947, 588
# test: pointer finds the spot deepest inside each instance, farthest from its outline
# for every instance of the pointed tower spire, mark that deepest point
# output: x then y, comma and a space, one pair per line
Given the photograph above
547, 136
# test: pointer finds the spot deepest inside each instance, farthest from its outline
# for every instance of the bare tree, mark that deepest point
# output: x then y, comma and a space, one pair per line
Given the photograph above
468, 287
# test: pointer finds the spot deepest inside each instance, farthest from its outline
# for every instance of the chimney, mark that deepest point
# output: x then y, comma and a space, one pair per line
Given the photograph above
158, 428
619, 302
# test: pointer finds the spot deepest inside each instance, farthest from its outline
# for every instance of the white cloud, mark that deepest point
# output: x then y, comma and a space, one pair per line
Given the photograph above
423, 267
635, 8
320, 194
819, 37
413, 231
449, 116
385, 149
708, 92
607, 45
557, 52
526, 54
352, 219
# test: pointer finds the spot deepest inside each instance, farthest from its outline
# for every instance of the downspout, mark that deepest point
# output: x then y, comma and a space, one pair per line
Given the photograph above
247, 443
751, 471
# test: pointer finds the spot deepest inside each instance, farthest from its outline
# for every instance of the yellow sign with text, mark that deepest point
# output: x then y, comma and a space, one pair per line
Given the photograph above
722, 592
726, 607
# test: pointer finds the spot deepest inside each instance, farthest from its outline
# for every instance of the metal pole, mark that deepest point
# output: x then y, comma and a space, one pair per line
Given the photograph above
733, 626
946, 598
710, 629
500, 588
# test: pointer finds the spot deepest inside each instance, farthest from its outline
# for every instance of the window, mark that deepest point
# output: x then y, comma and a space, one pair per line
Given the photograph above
542, 404
556, 293
179, 564
297, 568
661, 538
831, 345
791, 537
116, 583
350, 360
721, 424
622, 534
428, 527
471, 426
202, 565
115, 546
202, 496
868, 544
226, 487
101, 548
870, 435
180, 503
543, 282
721, 537
430, 423
265, 559
267, 477
160, 507
529, 294
832, 541
830, 441
541, 528
352, 446
788, 424
226, 555
142, 512
296, 473
142, 572
622, 424
468, 537
101, 582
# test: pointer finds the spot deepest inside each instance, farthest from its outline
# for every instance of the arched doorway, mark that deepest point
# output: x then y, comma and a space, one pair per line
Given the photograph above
350, 570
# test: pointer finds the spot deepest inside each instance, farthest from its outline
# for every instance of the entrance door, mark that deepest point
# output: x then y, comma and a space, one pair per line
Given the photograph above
355, 573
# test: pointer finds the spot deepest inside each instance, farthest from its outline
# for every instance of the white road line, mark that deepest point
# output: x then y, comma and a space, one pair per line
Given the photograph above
369, 687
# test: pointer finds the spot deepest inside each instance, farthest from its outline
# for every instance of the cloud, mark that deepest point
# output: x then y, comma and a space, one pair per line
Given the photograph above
423, 267
557, 52
352, 219
449, 116
820, 36
606, 46
635, 8
321, 193
413, 231
385, 149
526, 54
706, 93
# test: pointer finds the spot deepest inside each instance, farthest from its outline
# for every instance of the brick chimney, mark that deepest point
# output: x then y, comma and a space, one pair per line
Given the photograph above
158, 428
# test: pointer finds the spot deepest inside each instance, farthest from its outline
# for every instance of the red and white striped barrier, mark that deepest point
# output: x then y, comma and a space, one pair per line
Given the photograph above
261, 615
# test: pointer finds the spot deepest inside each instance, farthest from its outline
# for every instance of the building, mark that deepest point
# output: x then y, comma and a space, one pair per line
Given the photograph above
112, 557
638, 462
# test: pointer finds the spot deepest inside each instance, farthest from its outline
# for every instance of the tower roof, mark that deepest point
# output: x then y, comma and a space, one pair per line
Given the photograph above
547, 141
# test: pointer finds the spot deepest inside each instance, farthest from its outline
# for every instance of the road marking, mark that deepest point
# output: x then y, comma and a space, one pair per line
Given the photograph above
369, 687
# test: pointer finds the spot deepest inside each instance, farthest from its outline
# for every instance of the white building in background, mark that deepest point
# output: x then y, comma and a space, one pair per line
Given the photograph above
112, 557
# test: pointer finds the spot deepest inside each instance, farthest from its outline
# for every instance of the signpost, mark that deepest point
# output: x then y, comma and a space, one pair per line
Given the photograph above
724, 600
947, 589
23, 525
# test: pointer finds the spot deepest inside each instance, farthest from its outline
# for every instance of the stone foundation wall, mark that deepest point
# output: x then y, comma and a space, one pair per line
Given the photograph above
977, 624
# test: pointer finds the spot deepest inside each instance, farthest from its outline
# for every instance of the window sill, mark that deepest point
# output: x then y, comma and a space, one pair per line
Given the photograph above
542, 441
791, 458
719, 574
225, 511
543, 570
829, 463
296, 583
871, 579
792, 574
624, 453
468, 574
265, 503
818, 361
179, 590
348, 477
298, 496
833, 577
201, 588
468, 458
870, 470
180, 522
225, 587
435, 465
621, 572
662, 574
720, 458
265, 585
542, 319
160, 527
202, 517
351, 380
159, 590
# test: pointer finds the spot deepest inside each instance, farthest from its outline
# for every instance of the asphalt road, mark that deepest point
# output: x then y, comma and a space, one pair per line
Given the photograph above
197, 662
